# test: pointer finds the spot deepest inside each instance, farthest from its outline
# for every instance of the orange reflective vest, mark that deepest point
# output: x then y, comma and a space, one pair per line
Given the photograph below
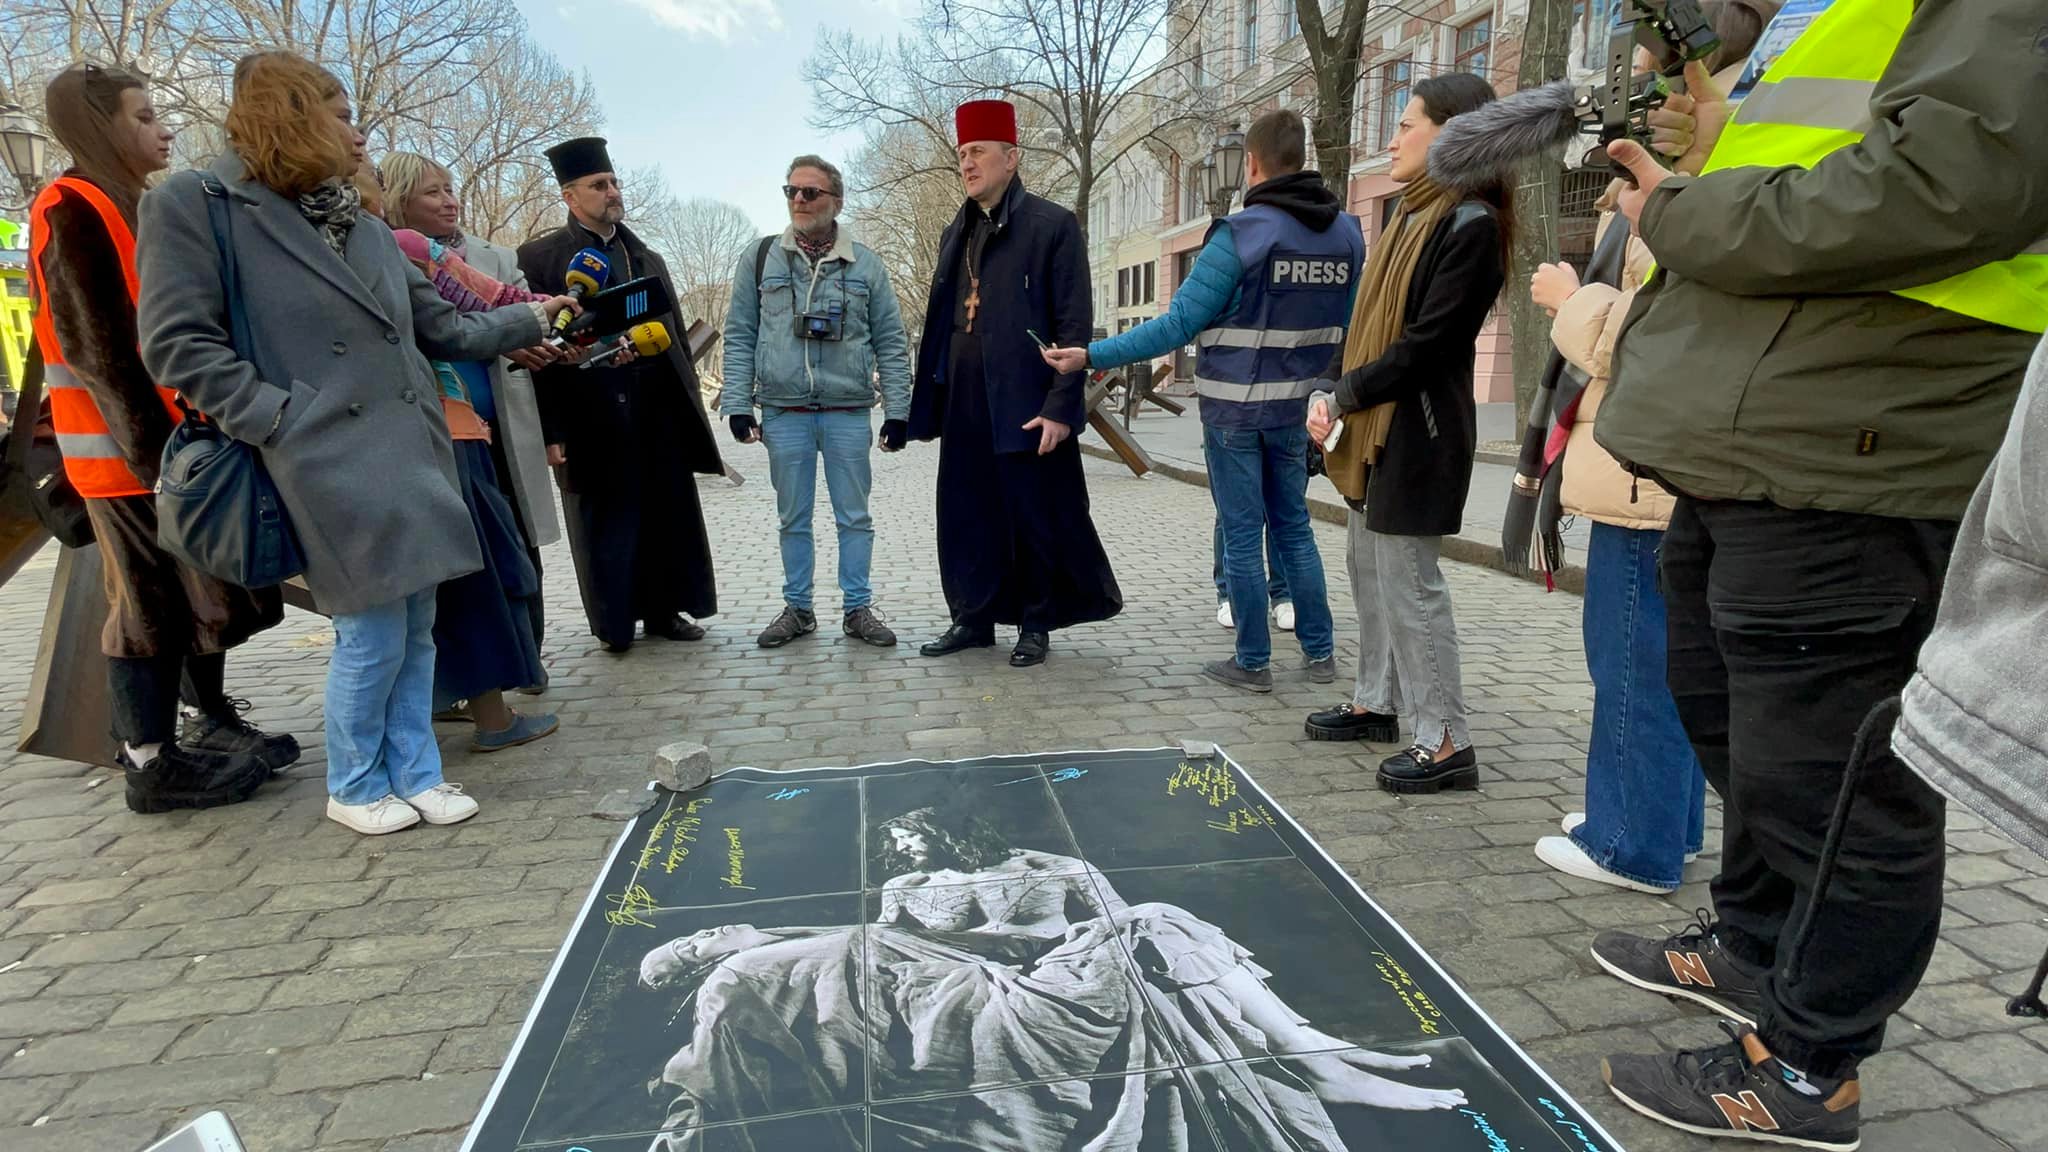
92, 460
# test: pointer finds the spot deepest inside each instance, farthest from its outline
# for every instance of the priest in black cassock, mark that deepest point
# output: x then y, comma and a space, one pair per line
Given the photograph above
1016, 545
627, 441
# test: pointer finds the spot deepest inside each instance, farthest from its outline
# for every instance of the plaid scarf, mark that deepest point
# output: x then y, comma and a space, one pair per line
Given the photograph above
816, 249
332, 208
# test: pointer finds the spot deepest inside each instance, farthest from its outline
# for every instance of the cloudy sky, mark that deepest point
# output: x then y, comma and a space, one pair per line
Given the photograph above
711, 90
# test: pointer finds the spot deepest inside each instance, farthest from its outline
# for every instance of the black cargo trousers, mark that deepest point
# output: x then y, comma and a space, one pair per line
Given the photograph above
1787, 627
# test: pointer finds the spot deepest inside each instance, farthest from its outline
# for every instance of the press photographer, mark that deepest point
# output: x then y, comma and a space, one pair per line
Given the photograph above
813, 319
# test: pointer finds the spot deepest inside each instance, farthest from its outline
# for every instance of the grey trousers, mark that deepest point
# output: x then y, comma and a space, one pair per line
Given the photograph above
1407, 641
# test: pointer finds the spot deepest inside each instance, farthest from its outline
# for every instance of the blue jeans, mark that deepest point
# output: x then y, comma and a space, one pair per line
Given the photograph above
1259, 479
380, 702
1645, 795
1276, 576
795, 440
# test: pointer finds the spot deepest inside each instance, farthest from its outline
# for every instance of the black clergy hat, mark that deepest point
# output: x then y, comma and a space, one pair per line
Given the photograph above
575, 159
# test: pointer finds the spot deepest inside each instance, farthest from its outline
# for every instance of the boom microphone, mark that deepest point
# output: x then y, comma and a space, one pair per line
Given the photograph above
645, 340
587, 274
1486, 144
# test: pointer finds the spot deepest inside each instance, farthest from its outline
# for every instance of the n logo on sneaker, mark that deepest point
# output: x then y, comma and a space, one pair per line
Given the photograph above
1745, 1113
1689, 968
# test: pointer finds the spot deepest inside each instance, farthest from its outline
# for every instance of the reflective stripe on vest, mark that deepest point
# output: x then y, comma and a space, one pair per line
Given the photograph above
93, 460
1267, 337
1261, 393
1815, 99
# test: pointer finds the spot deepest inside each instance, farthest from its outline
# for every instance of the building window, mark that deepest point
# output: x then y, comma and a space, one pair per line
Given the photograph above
1198, 66
1474, 40
1123, 287
1395, 78
1248, 35
1290, 21
1184, 356
1151, 285
1191, 206
1595, 19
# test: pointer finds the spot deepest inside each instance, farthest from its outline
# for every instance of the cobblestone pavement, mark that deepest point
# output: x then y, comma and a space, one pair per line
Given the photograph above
341, 993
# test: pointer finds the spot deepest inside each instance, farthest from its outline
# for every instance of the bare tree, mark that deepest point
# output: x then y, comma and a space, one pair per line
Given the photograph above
902, 191
1333, 57
702, 240
1546, 56
459, 80
1073, 66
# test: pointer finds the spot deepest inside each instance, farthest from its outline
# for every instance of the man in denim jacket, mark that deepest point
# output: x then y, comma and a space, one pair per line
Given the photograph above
813, 326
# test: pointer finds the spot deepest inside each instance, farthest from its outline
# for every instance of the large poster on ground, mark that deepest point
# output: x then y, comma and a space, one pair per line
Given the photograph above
1102, 951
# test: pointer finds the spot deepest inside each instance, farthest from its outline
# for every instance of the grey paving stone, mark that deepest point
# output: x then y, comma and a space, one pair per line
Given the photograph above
2021, 1120
22, 1101
193, 1002
394, 1015
355, 1062
1929, 1132
97, 948
74, 1135
383, 1111
273, 1123
1993, 1065
268, 1032
165, 1088
92, 1051
1896, 1082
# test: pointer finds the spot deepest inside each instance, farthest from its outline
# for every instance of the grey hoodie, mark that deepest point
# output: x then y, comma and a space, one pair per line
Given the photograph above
1975, 719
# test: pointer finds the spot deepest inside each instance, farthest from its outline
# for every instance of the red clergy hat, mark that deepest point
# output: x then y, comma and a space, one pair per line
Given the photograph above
985, 120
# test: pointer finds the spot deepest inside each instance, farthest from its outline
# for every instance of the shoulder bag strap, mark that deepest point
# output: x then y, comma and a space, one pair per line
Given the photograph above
221, 214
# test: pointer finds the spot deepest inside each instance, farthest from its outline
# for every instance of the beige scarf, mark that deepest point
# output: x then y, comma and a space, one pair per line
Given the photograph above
1377, 316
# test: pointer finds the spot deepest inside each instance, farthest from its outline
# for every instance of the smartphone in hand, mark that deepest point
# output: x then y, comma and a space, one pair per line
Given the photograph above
1038, 340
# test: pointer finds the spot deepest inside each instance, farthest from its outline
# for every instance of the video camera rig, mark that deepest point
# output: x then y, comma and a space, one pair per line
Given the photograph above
1618, 107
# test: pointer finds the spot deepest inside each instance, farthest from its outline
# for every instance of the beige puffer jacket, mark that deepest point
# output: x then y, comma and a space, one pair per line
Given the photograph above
1596, 486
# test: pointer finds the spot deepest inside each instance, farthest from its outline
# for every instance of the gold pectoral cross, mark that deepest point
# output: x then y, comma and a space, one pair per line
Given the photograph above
973, 299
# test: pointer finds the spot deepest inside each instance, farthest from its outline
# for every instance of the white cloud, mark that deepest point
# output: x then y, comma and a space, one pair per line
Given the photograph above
717, 19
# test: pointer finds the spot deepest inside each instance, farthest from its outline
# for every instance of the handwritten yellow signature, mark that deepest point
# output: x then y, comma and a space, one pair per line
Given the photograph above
627, 907
1427, 1014
735, 861
1244, 817
1211, 782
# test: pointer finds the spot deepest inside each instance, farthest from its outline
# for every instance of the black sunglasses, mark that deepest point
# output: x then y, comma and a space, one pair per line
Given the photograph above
800, 192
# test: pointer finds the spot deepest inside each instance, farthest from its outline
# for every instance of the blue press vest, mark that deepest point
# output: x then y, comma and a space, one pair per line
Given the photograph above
1258, 362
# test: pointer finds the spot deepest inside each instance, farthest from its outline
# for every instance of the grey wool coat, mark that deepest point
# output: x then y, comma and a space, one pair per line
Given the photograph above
1975, 717
336, 393
518, 423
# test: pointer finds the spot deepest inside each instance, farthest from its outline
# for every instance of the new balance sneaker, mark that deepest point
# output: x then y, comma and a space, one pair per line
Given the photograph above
230, 735
1691, 964
1739, 1090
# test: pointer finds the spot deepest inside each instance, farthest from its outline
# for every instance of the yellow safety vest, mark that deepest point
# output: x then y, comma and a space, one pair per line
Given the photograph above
1816, 98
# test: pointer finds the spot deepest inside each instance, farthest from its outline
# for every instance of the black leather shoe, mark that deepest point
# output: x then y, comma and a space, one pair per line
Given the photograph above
959, 638
1418, 772
675, 628
1341, 723
1031, 649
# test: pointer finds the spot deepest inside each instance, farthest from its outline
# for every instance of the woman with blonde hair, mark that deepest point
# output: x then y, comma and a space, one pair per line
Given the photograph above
487, 624
166, 622
333, 391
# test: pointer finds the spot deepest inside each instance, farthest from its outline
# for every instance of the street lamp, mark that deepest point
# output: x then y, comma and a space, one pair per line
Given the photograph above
1223, 172
24, 149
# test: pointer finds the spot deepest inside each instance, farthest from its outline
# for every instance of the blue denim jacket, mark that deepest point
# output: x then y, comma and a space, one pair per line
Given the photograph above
767, 363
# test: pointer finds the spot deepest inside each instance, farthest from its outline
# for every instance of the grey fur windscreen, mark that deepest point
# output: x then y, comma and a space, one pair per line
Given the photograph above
1487, 143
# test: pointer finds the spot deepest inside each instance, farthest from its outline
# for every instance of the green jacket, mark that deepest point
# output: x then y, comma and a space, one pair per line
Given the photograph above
1767, 358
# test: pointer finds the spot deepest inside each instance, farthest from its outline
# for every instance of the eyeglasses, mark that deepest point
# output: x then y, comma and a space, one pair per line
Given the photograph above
606, 184
802, 192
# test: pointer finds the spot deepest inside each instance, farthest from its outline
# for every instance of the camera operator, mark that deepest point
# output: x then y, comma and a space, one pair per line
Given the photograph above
1821, 370
812, 320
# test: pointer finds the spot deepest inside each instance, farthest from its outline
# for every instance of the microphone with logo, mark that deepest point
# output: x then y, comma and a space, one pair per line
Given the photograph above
587, 275
651, 339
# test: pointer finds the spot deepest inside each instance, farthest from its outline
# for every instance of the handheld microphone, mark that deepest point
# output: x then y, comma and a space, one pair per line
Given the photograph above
644, 339
1487, 143
587, 274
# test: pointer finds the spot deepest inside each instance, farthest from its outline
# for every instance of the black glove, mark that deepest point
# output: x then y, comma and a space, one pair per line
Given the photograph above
742, 427
894, 434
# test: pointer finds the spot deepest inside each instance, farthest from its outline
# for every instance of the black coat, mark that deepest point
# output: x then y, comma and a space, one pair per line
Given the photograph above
1034, 274
594, 422
1419, 484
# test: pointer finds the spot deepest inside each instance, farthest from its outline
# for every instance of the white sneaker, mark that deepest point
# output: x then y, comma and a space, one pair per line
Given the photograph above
383, 815
1564, 854
1223, 615
1573, 819
443, 804
1283, 615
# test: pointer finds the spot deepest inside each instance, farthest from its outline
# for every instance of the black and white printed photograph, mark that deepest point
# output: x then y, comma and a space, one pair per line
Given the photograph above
984, 983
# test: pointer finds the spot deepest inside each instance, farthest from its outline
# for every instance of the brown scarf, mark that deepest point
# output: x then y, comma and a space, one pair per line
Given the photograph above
1377, 315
